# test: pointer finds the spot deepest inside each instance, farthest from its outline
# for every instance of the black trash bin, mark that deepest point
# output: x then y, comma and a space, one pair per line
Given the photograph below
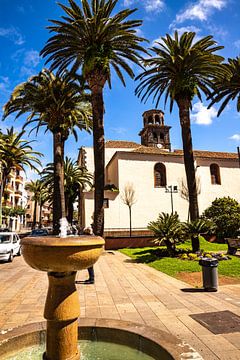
209, 273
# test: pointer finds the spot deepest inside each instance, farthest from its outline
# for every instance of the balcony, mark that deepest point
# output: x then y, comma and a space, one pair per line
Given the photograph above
18, 193
8, 203
9, 188
19, 179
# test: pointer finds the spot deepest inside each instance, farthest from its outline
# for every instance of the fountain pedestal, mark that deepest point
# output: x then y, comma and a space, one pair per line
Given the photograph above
61, 258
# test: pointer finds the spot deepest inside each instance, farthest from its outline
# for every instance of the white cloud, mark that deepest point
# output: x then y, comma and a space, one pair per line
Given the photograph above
32, 58
149, 5
201, 115
4, 85
154, 5
12, 34
235, 137
200, 10
30, 62
237, 44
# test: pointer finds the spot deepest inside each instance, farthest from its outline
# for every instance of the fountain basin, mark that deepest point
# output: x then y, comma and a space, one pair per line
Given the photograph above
150, 341
61, 258
54, 254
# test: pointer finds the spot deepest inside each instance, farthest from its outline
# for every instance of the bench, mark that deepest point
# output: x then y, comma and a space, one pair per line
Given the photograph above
233, 245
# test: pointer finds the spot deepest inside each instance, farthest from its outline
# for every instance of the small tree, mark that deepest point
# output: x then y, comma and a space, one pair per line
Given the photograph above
168, 229
129, 199
225, 212
196, 227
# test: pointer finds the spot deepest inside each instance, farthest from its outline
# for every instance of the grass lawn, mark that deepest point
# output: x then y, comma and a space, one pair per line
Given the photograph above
173, 266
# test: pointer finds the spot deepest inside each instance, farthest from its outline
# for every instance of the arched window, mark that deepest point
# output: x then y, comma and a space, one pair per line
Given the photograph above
150, 119
155, 138
160, 179
215, 174
157, 119
161, 136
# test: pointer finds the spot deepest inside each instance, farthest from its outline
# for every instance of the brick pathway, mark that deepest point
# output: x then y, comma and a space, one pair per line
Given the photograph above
127, 291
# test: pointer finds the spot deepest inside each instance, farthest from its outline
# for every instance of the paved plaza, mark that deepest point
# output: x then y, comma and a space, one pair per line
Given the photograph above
127, 291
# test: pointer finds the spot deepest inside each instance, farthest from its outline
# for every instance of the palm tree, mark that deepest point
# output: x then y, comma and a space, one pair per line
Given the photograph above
96, 41
75, 178
56, 102
168, 229
17, 152
37, 188
227, 85
181, 68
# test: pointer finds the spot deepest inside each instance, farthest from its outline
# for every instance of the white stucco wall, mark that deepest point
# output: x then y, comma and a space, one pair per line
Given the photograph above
138, 169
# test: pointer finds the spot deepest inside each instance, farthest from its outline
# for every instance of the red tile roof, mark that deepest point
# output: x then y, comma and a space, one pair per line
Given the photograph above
197, 153
140, 149
120, 144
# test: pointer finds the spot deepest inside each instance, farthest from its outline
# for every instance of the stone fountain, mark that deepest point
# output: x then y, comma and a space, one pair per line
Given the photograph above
61, 257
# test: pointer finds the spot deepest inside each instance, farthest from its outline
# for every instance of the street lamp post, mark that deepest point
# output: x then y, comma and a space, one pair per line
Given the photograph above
172, 189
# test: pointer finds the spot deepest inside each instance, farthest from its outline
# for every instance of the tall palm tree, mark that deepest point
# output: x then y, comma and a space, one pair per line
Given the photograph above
75, 178
37, 189
95, 40
227, 85
181, 68
56, 102
16, 152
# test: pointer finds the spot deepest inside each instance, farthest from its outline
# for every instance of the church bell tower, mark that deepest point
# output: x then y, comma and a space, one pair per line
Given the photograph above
154, 132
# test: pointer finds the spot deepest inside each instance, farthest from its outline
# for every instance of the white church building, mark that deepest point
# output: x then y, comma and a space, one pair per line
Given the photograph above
157, 175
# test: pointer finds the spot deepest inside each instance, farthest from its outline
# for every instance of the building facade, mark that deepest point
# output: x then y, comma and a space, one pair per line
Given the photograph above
157, 175
14, 198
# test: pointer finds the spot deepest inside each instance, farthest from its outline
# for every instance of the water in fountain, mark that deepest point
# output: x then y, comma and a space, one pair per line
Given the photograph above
89, 350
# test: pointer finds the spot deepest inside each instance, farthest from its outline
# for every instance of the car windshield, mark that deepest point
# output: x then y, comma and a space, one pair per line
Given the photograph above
39, 232
5, 239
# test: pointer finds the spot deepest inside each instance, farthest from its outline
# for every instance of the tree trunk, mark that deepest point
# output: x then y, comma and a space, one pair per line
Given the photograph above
40, 215
184, 106
81, 210
58, 192
34, 215
130, 221
70, 211
195, 243
96, 86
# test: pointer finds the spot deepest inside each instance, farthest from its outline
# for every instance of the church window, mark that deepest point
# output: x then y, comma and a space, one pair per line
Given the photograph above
160, 179
157, 119
155, 138
150, 119
161, 136
106, 203
215, 174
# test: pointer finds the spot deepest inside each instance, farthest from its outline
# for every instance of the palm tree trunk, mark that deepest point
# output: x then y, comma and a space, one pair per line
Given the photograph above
40, 214
70, 211
184, 114
99, 158
34, 215
81, 210
58, 193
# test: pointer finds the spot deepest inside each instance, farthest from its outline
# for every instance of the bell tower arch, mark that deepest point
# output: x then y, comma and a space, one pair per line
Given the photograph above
155, 133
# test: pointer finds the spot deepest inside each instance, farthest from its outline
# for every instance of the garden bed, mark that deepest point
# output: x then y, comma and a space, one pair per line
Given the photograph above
185, 270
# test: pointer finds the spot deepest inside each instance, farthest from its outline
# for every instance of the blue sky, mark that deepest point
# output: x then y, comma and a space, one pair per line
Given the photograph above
23, 33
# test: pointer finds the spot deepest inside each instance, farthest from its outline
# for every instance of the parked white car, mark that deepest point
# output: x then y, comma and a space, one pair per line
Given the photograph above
9, 246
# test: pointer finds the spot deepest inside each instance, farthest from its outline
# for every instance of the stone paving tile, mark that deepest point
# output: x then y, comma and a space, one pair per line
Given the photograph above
127, 291
234, 339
